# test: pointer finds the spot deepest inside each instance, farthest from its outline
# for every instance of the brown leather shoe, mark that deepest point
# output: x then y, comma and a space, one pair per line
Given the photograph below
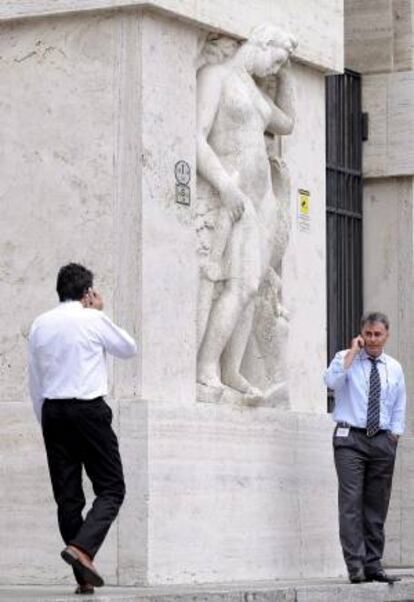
85, 588
82, 562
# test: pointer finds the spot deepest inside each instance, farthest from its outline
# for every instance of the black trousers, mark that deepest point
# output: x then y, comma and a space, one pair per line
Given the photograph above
78, 433
365, 467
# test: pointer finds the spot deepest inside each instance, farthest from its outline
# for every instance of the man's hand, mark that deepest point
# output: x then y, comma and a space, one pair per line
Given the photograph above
92, 299
356, 346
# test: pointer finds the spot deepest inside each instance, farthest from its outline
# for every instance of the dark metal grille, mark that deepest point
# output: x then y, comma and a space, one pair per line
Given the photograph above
344, 209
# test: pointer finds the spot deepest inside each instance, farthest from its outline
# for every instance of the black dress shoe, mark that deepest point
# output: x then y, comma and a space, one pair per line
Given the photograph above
357, 576
382, 577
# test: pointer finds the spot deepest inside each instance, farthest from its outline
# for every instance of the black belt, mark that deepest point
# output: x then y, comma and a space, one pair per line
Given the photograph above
359, 429
74, 399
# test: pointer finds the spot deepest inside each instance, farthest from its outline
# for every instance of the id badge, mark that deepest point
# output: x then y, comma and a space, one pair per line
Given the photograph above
342, 431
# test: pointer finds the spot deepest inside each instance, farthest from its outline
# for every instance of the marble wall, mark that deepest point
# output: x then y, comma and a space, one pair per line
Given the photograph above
389, 100
89, 135
379, 35
213, 494
56, 170
317, 29
240, 493
399, 549
388, 264
304, 264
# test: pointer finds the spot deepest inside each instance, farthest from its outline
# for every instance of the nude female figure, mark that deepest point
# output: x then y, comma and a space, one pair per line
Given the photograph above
234, 112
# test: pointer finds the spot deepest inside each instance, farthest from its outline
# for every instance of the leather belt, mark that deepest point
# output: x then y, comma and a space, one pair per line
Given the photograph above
359, 429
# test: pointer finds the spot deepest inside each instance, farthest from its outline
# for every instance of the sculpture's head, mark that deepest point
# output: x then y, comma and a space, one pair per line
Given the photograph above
271, 47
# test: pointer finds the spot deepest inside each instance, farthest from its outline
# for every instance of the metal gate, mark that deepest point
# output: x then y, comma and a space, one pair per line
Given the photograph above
344, 127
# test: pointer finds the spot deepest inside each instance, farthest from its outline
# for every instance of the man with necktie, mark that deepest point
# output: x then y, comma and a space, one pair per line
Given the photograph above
369, 413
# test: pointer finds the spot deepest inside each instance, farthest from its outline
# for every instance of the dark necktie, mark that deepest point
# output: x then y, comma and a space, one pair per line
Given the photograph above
374, 396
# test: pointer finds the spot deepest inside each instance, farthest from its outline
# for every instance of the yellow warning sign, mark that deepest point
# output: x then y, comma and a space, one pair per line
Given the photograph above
304, 214
304, 202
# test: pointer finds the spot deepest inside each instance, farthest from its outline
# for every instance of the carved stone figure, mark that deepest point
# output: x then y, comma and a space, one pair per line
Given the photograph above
243, 224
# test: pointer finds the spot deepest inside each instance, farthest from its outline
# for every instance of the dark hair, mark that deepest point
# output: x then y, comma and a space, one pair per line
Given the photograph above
375, 316
73, 281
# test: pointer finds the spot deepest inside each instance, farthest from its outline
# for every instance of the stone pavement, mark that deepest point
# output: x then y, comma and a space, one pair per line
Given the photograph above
268, 591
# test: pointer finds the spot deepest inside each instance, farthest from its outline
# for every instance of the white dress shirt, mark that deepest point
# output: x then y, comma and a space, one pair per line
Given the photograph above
351, 386
67, 349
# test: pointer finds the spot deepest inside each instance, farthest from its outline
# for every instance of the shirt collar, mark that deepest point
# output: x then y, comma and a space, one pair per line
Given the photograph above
364, 356
69, 304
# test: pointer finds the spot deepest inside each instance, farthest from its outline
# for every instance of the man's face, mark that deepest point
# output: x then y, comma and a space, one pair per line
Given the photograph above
375, 336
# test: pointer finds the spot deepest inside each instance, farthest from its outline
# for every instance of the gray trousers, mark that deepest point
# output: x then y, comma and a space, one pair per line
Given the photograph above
364, 467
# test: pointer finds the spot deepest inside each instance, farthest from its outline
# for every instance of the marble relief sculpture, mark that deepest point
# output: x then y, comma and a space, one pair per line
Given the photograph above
244, 102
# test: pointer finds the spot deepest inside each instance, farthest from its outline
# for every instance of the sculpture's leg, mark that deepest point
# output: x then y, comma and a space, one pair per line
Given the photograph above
212, 272
239, 290
223, 227
223, 318
205, 296
233, 354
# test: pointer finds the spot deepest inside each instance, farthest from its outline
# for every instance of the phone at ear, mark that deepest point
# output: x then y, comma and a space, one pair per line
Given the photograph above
360, 342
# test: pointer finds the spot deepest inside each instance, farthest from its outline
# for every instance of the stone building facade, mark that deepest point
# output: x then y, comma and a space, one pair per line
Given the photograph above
99, 99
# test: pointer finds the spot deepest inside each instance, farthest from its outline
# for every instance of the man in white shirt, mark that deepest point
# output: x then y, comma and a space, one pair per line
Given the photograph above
68, 380
370, 402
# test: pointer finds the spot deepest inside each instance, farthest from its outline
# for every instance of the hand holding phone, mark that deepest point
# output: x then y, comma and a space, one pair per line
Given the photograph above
92, 299
358, 343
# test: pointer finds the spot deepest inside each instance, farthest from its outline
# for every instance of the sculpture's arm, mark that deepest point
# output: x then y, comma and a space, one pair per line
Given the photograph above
209, 88
282, 119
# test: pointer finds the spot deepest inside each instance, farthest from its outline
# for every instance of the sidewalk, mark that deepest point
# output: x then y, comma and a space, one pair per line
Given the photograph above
268, 591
